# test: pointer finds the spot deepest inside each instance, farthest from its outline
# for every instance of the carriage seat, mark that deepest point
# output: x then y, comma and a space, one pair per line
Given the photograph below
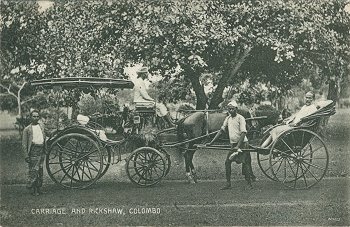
145, 107
84, 120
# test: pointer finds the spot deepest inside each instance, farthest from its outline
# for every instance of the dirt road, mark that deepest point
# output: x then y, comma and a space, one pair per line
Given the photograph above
178, 203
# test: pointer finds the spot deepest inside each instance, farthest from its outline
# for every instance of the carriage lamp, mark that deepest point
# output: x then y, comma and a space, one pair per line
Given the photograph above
137, 119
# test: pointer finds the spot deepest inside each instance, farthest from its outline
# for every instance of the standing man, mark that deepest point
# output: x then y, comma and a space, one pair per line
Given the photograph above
33, 145
236, 125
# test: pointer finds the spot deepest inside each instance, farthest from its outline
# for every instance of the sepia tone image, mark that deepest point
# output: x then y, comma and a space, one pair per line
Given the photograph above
175, 113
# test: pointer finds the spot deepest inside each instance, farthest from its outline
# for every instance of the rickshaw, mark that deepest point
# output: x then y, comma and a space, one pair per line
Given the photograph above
298, 158
80, 154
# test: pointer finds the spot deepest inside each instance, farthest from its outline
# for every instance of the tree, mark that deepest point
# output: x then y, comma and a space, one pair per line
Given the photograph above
220, 38
21, 58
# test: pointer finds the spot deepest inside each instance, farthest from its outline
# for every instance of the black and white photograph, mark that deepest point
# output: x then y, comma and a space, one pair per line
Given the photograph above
175, 113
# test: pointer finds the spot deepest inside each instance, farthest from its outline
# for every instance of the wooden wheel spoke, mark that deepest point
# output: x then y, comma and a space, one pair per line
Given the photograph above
278, 168
302, 170
78, 145
313, 151
86, 165
150, 174
85, 155
308, 169
63, 148
139, 172
139, 163
284, 153
94, 167
309, 159
61, 169
71, 178
285, 171
291, 168
92, 145
295, 182
89, 169
71, 143
83, 173
272, 165
65, 173
156, 172
313, 165
77, 172
157, 168
74, 168
288, 146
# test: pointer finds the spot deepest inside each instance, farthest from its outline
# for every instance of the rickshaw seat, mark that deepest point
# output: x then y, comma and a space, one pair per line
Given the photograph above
325, 109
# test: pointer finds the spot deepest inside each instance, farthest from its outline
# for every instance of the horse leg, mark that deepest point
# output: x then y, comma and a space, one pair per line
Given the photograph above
188, 166
191, 166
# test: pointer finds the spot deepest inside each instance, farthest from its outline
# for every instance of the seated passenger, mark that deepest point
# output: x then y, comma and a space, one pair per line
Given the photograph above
293, 120
142, 98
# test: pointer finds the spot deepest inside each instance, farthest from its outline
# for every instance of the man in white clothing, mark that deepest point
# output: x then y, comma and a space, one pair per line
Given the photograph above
293, 120
236, 126
142, 98
33, 145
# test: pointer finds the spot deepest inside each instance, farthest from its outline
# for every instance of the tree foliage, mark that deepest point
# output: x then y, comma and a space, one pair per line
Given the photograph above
190, 44
225, 38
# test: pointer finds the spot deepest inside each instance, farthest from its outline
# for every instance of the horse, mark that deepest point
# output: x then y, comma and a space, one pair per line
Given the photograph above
198, 124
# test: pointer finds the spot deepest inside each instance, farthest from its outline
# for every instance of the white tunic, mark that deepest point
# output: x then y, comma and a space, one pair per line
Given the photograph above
140, 92
38, 137
303, 112
236, 125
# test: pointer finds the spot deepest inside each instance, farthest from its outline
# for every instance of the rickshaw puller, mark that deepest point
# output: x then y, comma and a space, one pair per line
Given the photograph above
236, 125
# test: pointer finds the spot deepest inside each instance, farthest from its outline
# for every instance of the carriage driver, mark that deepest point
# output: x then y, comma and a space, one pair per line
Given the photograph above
142, 99
237, 133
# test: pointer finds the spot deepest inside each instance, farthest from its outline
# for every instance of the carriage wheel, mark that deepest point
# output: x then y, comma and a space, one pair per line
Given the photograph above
74, 161
264, 161
299, 158
167, 160
146, 166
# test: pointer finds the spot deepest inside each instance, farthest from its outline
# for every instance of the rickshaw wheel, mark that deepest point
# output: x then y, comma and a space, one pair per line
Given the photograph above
146, 166
74, 161
299, 158
264, 160
167, 160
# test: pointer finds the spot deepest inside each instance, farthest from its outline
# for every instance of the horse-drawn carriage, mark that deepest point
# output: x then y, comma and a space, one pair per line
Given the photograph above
80, 154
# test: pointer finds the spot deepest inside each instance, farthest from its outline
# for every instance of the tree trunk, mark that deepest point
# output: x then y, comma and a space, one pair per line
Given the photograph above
217, 95
234, 67
198, 89
332, 90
